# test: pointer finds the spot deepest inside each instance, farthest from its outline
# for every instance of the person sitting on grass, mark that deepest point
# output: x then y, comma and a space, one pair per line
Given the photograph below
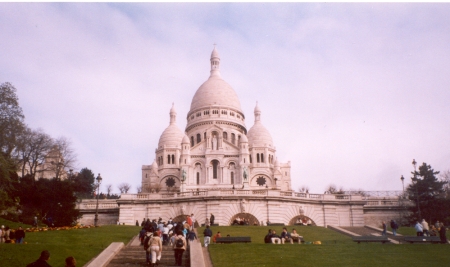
276, 239
216, 236
285, 236
42, 261
267, 239
296, 237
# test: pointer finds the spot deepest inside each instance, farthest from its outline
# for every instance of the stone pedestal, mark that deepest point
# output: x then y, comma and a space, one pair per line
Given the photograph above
246, 186
183, 187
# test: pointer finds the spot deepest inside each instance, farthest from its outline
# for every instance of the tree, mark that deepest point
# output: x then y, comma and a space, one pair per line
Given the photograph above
84, 183
108, 189
427, 192
33, 148
53, 200
65, 157
332, 189
11, 119
139, 189
124, 187
11, 126
445, 177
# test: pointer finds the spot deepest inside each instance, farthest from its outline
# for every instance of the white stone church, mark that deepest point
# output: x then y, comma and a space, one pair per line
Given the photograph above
215, 150
217, 166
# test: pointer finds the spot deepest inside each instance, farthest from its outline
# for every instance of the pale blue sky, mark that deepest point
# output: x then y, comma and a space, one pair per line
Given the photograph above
351, 93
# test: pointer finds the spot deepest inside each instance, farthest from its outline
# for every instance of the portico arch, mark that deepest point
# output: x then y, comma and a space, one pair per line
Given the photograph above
252, 220
302, 220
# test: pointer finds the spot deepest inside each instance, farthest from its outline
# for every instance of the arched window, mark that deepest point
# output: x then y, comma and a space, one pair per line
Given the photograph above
168, 159
233, 138
215, 164
257, 157
204, 136
199, 138
225, 136
232, 177
262, 157
173, 159
250, 159
192, 141
198, 178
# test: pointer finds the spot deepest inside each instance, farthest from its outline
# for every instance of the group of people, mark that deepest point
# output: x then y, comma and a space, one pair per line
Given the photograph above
8, 235
239, 221
155, 234
423, 229
45, 256
273, 238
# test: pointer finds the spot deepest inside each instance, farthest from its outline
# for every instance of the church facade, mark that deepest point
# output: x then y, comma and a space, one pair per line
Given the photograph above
215, 149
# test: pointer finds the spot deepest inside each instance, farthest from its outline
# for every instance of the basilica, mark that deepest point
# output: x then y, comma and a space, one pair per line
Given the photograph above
218, 166
215, 151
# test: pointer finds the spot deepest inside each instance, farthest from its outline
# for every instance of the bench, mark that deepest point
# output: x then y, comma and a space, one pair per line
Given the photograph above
422, 239
234, 239
382, 239
275, 224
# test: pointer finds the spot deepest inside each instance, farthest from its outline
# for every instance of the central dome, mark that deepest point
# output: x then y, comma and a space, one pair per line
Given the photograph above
215, 91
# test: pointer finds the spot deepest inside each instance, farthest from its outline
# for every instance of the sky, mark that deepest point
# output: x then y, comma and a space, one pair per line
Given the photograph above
350, 92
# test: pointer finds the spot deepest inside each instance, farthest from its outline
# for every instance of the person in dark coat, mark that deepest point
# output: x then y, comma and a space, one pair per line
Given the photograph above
20, 235
442, 234
211, 219
42, 261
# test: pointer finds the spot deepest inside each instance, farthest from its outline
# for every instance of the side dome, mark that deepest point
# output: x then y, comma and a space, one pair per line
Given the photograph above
215, 91
258, 134
172, 135
185, 140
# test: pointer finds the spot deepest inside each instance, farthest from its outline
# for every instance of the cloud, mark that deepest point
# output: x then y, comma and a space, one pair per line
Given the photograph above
351, 93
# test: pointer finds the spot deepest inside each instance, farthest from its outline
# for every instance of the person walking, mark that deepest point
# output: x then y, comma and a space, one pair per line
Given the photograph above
207, 233
156, 249
394, 227
384, 229
211, 219
179, 246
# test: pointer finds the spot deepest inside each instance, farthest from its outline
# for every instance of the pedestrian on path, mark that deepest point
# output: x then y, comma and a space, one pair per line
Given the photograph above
179, 246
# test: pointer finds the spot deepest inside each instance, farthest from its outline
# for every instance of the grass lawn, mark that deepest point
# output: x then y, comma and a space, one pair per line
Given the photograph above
83, 244
336, 250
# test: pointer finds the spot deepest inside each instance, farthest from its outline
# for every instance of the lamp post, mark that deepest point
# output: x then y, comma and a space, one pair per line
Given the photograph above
403, 183
99, 181
417, 188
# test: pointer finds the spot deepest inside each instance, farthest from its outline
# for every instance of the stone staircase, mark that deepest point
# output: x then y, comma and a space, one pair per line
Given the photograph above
366, 231
134, 255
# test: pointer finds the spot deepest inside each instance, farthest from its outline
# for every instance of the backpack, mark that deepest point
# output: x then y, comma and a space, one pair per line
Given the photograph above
146, 241
179, 243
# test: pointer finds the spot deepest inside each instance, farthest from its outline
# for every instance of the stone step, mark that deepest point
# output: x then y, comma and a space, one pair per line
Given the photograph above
135, 256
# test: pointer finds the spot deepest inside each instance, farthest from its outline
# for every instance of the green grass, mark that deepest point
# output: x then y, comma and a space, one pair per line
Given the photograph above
336, 250
83, 244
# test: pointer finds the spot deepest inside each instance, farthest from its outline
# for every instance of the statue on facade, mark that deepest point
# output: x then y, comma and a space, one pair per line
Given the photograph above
214, 143
183, 209
245, 174
183, 175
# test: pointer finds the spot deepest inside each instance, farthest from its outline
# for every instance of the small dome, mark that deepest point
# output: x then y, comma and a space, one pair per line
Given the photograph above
259, 135
244, 139
185, 140
214, 53
172, 136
